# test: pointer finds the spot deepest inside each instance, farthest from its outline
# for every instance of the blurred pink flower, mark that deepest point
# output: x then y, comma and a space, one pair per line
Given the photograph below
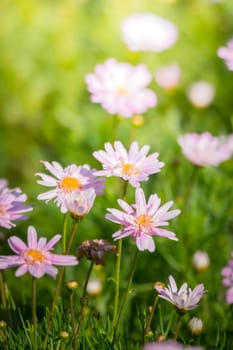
185, 298
35, 257
120, 88
169, 345
133, 166
201, 260
226, 53
67, 181
227, 281
168, 77
148, 32
12, 205
141, 220
204, 149
201, 94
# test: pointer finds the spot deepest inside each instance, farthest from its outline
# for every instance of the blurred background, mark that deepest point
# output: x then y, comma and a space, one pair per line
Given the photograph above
46, 49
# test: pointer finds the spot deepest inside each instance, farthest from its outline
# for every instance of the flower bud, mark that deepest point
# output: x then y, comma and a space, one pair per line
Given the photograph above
201, 260
64, 335
195, 326
71, 285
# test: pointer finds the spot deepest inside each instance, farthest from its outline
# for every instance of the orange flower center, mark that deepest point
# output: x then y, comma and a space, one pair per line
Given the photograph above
144, 220
129, 169
122, 91
2, 211
34, 255
70, 184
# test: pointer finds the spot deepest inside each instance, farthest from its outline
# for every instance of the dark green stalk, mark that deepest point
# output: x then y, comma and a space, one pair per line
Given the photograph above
148, 323
84, 302
177, 327
126, 294
34, 316
3, 290
58, 285
72, 316
118, 267
64, 234
186, 198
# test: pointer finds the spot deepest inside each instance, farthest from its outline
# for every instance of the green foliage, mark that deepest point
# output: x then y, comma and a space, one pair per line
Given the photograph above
47, 48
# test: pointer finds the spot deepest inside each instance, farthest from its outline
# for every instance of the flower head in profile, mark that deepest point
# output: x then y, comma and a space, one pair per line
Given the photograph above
143, 220
12, 205
79, 203
95, 250
168, 77
227, 281
65, 182
169, 345
148, 32
35, 257
226, 53
201, 94
133, 166
121, 88
184, 299
204, 149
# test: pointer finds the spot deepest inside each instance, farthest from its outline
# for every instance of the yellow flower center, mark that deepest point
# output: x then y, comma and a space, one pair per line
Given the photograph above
144, 220
34, 255
129, 169
70, 184
2, 211
122, 91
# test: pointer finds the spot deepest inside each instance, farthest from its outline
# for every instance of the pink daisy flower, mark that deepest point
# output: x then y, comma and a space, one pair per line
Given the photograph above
142, 220
11, 205
169, 345
226, 53
35, 257
185, 298
120, 88
133, 166
67, 181
227, 281
148, 32
204, 149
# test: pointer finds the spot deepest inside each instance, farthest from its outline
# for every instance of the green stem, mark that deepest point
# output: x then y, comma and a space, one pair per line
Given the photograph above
177, 327
58, 285
64, 233
126, 294
34, 316
147, 328
84, 302
3, 290
118, 267
72, 316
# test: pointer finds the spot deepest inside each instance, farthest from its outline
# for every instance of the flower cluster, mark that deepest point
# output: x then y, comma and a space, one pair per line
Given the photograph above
12, 205
205, 149
35, 257
227, 281
184, 299
121, 88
